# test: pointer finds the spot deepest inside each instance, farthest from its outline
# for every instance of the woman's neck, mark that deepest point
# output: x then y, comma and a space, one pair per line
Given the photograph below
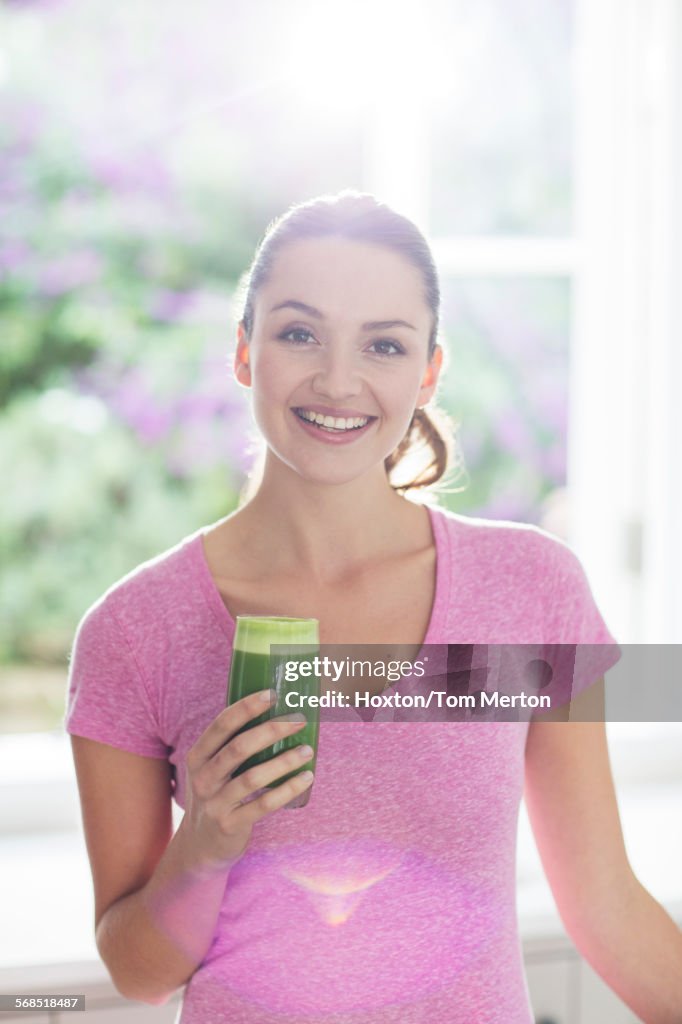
325, 530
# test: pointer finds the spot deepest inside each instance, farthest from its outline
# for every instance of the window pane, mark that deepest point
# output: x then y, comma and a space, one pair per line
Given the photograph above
507, 385
501, 132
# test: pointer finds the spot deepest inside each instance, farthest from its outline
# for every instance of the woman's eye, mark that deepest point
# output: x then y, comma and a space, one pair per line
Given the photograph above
387, 347
289, 335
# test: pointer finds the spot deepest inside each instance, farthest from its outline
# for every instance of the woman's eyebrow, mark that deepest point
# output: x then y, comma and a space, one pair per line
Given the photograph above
371, 325
301, 306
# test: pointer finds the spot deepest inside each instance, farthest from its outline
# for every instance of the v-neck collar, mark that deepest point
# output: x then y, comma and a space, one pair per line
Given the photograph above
441, 598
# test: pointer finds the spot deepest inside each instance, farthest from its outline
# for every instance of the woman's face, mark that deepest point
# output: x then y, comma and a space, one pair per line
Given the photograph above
340, 334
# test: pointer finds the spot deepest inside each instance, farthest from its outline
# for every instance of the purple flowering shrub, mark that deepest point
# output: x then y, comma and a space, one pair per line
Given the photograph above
121, 427
507, 387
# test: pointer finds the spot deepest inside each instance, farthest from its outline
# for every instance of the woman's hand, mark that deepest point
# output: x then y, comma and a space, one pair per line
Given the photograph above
218, 821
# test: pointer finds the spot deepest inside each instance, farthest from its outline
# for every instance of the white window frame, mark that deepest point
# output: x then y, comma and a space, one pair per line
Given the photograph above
625, 470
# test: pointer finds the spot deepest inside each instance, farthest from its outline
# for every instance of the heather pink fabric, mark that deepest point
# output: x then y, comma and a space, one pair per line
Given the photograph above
390, 898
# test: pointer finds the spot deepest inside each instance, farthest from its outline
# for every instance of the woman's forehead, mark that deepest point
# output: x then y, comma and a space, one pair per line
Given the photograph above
328, 273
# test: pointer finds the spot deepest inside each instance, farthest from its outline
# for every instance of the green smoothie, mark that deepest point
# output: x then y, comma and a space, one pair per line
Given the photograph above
256, 667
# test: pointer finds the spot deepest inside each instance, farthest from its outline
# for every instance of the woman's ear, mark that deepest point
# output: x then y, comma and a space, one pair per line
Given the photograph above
430, 378
242, 367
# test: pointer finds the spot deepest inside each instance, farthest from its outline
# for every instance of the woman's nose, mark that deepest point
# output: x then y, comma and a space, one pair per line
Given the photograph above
337, 376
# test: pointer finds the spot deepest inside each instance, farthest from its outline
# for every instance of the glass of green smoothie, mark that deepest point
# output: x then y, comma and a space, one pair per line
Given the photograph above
255, 666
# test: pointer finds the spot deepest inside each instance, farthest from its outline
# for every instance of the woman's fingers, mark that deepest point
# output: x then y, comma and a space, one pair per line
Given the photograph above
220, 809
252, 741
241, 788
211, 774
272, 799
227, 723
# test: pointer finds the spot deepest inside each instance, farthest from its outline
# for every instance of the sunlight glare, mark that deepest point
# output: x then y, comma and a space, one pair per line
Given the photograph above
358, 54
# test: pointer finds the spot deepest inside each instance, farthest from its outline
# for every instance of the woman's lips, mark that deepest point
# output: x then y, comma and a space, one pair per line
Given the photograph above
331, 436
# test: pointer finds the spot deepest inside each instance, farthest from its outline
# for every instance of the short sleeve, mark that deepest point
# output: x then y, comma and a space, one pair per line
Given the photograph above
572, 615
107, 700
580, 646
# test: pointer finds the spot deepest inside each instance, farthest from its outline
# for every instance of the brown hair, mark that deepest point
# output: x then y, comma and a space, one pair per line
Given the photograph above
359, 216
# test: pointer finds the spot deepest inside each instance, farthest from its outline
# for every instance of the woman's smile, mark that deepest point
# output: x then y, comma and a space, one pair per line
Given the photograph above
334, 429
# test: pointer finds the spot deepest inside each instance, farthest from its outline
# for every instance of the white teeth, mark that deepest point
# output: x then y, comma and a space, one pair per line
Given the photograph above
330, 422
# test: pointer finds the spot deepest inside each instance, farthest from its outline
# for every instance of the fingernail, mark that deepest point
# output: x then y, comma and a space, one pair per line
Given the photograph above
267, 696
305, 751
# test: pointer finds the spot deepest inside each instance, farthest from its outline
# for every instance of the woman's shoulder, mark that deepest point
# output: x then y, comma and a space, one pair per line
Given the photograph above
527, 572
151, 589
502, 540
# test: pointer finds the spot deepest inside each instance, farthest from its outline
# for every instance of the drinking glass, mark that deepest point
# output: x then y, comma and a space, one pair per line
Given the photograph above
255, 666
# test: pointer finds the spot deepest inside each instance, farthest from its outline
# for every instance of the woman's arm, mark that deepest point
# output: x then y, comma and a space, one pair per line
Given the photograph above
157, 898
617, 925
155, 912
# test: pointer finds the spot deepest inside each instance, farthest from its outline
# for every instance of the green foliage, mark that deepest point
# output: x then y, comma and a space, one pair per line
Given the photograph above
84, 508
119, 430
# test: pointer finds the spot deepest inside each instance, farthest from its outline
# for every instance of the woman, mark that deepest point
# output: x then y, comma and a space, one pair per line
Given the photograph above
390, 896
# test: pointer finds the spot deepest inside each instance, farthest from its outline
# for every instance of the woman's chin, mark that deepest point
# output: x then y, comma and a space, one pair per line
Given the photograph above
333, 476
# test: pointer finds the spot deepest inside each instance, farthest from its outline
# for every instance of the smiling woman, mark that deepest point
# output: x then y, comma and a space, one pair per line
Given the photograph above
388, 896
329, 359
373, 250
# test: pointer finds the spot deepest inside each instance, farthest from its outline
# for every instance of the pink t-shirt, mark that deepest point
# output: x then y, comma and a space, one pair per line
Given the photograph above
390, 898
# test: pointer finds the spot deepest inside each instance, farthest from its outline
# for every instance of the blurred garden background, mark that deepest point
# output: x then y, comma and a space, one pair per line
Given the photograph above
144, 148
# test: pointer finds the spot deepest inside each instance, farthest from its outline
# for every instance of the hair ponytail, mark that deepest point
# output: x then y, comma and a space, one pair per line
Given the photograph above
429, 449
